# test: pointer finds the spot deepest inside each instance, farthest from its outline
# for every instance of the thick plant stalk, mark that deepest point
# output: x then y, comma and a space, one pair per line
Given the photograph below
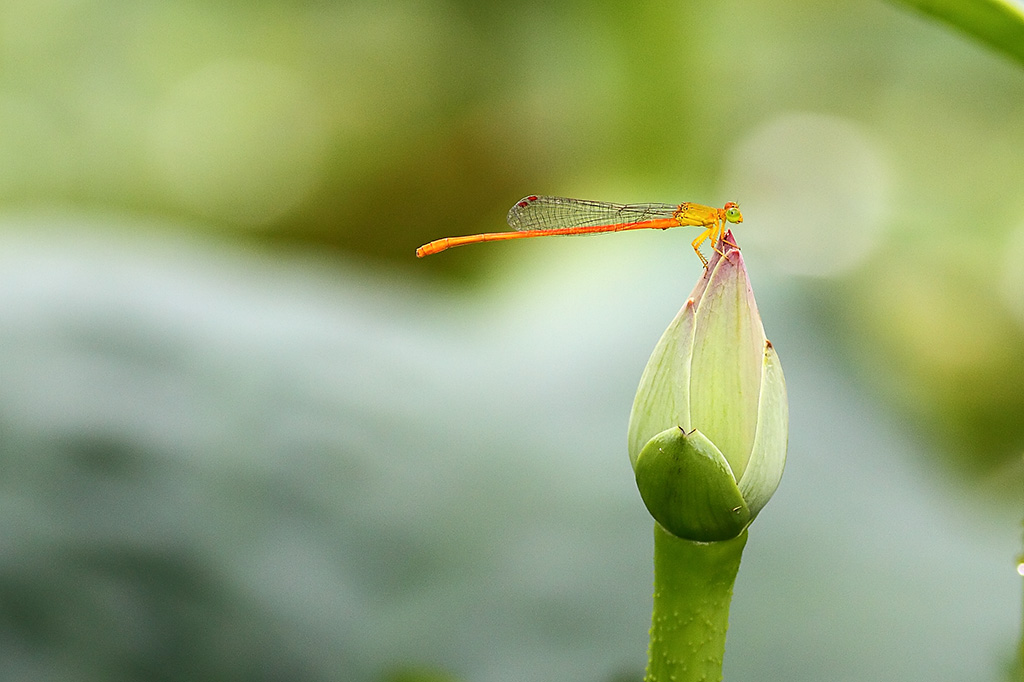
692, 593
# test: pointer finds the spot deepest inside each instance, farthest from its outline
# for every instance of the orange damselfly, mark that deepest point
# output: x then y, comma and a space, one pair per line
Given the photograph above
541, 216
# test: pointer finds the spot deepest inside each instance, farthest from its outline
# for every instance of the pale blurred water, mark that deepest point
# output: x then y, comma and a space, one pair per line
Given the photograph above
236, 464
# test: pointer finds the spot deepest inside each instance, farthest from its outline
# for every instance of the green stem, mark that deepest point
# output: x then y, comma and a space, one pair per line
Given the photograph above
692, 591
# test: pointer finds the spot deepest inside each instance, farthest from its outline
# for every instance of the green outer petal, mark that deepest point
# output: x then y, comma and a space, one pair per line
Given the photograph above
768, 457
663, 397
726, 365
689, 488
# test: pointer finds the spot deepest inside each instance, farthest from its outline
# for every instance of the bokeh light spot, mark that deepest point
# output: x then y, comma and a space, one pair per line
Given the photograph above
813, 189
240, 141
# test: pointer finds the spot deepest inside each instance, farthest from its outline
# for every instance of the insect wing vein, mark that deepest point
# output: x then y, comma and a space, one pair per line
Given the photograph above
550, 213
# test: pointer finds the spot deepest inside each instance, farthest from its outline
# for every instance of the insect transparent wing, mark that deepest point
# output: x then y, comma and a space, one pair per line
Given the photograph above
550, 213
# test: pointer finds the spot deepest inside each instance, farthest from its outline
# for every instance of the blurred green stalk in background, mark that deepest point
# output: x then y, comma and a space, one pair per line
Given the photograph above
1020, 649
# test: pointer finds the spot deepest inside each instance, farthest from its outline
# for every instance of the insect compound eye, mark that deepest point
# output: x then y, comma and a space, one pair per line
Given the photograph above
732, 214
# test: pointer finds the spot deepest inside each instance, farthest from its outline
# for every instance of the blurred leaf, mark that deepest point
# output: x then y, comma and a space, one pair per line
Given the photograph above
950, 364
998, 23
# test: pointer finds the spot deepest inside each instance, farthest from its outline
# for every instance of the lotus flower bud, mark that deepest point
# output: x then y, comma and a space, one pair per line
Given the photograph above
710, 422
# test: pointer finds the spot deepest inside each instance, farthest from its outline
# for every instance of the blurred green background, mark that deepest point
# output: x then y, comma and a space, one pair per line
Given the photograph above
245, 435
